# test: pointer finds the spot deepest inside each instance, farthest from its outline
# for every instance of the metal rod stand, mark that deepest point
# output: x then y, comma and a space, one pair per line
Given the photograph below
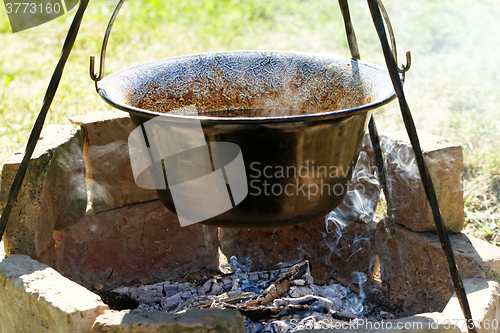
422, 167
372, 128
37, 128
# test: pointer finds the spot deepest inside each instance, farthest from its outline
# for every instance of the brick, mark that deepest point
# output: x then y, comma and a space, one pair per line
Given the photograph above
35, 298
489, 256
109, 172
406, 201
484, 301
140, 243
195, 321
415, 270
52, 195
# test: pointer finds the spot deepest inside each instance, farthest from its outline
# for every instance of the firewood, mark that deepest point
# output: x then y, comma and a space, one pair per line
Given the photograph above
305, 300
282, 285
260, 312
217, 285
342, 316
237, 298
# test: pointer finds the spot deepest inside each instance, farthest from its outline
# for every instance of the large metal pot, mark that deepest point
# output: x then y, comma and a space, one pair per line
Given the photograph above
296, 126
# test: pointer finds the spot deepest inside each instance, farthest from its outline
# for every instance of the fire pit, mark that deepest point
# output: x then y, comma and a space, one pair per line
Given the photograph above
281, 300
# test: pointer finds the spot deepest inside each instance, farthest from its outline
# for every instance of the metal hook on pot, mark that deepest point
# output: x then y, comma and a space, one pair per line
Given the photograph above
407, 66
93, 75
97, 77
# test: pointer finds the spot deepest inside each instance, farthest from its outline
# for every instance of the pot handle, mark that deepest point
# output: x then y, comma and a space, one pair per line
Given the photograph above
406, 67
98, 77
93, 75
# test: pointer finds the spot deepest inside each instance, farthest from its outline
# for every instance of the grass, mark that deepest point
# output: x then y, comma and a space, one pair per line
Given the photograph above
451, 88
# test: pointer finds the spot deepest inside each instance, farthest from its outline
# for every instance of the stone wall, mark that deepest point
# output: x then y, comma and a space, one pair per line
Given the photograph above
35, 298
105, 151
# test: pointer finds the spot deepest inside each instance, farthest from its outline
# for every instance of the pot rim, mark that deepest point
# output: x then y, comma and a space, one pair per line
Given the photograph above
247, 120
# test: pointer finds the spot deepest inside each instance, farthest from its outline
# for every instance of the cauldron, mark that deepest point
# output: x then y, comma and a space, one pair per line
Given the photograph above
281, 132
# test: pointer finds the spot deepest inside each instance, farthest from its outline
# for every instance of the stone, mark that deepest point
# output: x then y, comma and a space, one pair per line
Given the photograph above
489, 256
136, 244
415, 270
333, 251
35, 298
52, 195
434, 322
109, 172
195, 321
484, 301
406, 200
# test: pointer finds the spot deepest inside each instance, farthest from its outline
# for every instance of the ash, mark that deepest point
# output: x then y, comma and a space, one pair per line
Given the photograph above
277, 301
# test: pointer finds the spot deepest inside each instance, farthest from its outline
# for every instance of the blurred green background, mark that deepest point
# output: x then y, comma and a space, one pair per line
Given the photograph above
452, 87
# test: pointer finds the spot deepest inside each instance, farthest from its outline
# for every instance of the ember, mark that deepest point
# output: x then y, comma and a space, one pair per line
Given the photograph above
280, 300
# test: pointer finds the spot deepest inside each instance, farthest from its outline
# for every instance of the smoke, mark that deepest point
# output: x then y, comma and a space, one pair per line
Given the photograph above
245, 283
103, 161
236, 267
403, 159
98, 192
355, 302
70, 163
361, 200
117, 148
